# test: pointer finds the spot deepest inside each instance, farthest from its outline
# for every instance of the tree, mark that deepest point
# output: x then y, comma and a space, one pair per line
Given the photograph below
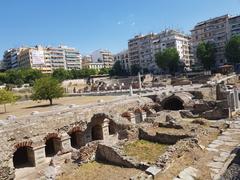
117, 70
2, 78
168, 60
104, 71
47, 88
206, 54
21, 76
61, 74
135, 69
7, 97
15, 77
232, 51
30, 75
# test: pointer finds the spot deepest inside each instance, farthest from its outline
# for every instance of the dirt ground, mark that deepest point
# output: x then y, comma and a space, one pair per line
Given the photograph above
197, 158
26, 107
99, 171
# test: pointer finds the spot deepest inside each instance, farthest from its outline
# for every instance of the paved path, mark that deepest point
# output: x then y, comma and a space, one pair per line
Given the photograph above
223, 150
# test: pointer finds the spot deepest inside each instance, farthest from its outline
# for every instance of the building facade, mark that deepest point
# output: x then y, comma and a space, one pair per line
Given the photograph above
174, 39
10, 58
123, 58
143, 48
140, 51
103, 56
214, 31
234, 26
45, 59
34, 58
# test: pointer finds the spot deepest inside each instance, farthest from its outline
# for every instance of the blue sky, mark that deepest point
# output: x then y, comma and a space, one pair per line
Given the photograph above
92, 24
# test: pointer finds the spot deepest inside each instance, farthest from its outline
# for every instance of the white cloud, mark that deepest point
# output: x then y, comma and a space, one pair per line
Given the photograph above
133, 23
120, 22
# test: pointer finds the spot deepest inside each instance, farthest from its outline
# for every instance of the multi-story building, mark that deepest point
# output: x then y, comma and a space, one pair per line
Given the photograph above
72, 58
86, 60
56, 56
93, 65
10, 58
46, 59
140, 51
1, 66
174, 39
123, 58
234, 26
87, 63
214, 31
103, 56
34, 58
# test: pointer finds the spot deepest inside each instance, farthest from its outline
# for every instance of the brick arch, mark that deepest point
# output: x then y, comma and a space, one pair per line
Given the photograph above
127, 115
51, 135
23, 155
98, 119
75, 129
23, 144
138, 110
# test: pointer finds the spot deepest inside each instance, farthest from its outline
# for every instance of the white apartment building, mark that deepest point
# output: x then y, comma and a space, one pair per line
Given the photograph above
140, 51
93, 65
143, 48
46, 59
215, 31
87, 63
103, 56
234, 26
35, 58
174, 39
123, 58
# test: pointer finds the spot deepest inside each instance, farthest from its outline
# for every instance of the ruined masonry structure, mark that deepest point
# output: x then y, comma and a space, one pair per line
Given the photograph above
28, 141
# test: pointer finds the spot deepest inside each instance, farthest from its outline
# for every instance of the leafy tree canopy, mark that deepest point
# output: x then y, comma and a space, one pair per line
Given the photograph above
118, 70
104, 71
7, 97
20, 76
61, 74
206, 54
47, 88
135, 69
168, 60
232, 51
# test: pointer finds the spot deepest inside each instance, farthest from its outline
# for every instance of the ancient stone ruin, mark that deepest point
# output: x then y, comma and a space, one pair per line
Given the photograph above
180, 121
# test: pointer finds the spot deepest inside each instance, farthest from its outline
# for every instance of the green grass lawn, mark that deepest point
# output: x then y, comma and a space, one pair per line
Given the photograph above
144, 150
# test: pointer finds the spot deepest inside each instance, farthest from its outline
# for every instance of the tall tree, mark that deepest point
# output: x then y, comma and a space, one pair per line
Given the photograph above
232, 51
168, 60
206, 54
47, 88
135, 69
6, 97
61, 74
117, 70
104, 71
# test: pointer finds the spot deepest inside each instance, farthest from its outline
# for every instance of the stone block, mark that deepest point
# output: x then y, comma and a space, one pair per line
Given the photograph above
154, 171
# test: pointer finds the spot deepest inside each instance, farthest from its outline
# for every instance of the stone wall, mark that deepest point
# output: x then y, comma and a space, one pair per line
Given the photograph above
109, 154
162, 138
33, 130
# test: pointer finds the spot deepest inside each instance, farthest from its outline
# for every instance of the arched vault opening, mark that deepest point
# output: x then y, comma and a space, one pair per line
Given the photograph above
23, 157
173, 103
